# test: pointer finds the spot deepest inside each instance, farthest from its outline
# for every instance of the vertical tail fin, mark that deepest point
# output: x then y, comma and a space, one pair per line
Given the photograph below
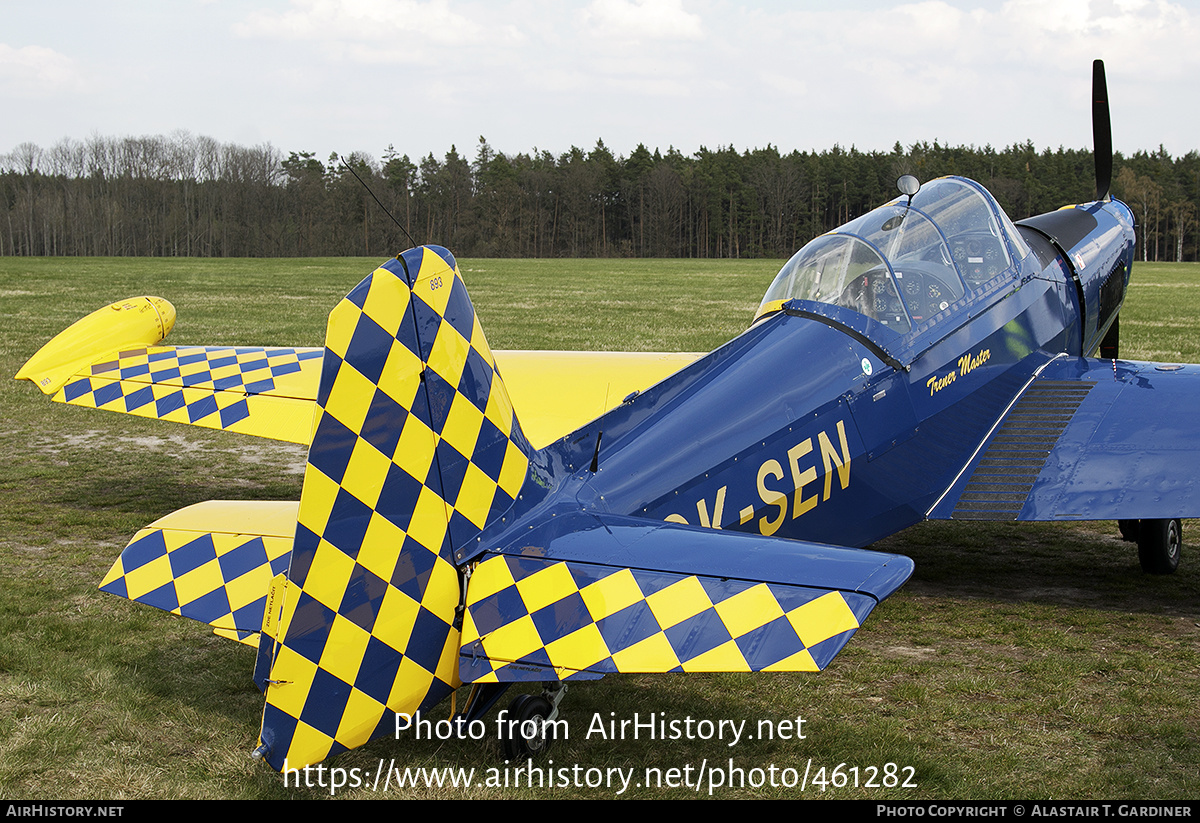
415, 448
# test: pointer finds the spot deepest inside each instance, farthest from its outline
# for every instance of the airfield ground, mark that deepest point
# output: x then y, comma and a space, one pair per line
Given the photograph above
1020, 661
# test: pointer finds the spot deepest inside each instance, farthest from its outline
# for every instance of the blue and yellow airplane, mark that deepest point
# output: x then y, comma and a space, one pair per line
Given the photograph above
465, 521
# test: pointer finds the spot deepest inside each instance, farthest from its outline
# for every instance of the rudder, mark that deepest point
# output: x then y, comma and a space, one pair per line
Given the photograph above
415, 448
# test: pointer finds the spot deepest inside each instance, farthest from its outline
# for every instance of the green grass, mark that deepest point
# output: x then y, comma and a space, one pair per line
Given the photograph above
1031, 660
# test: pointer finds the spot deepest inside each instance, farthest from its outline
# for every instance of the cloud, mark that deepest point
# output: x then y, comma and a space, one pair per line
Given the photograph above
35, 72
359, 21
555, 72
640, 20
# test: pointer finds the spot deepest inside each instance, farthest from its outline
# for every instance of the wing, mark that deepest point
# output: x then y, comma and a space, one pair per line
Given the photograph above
265, 392
1088, 439
555, 393
108, 360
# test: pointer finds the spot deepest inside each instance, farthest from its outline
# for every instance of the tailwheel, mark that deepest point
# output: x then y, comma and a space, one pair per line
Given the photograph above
527, 729
1160, 542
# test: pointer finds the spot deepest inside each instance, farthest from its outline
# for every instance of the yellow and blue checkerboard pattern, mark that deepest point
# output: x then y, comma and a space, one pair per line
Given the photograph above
252, 390
216, 578
415, 449
530, 618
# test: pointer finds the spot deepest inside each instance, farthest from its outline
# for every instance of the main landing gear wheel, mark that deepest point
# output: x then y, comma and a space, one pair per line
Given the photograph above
526, 731
1160, 543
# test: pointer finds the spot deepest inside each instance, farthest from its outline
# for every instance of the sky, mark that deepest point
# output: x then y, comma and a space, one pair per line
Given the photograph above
422, 75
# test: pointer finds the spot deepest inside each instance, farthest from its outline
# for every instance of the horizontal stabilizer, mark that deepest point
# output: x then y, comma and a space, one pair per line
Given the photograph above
565, 605
212, 562
1089, 440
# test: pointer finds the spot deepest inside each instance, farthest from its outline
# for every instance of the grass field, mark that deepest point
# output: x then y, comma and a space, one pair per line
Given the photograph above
1020, 661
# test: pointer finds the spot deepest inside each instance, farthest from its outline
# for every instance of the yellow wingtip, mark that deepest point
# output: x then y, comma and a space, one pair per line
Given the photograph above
138, 321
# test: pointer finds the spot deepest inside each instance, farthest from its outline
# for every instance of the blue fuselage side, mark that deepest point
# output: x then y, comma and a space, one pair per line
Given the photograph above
802, 427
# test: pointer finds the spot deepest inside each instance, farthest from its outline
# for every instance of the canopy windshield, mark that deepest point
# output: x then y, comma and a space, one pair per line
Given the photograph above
902, 263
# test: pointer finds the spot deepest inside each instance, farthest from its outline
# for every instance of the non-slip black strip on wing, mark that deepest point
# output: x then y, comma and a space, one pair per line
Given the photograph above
1004, 477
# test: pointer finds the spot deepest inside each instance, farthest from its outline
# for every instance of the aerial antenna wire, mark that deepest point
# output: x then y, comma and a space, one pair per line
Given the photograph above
377, 200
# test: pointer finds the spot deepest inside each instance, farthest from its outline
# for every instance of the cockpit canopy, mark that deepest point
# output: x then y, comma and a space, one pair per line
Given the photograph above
904, 262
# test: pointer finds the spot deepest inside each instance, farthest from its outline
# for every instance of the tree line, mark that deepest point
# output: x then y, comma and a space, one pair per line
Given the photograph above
188, 195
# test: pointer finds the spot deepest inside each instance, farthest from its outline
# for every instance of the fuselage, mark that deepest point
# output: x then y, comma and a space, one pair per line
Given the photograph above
841, 420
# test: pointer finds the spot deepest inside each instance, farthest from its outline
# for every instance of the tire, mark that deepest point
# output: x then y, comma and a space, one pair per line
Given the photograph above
1160, 543
520, 740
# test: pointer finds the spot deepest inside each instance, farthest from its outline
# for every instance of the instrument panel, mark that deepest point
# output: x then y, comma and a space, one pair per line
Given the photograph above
924, 294
978, 255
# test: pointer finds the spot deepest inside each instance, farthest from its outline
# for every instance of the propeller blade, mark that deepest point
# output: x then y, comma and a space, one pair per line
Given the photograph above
1101, 131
